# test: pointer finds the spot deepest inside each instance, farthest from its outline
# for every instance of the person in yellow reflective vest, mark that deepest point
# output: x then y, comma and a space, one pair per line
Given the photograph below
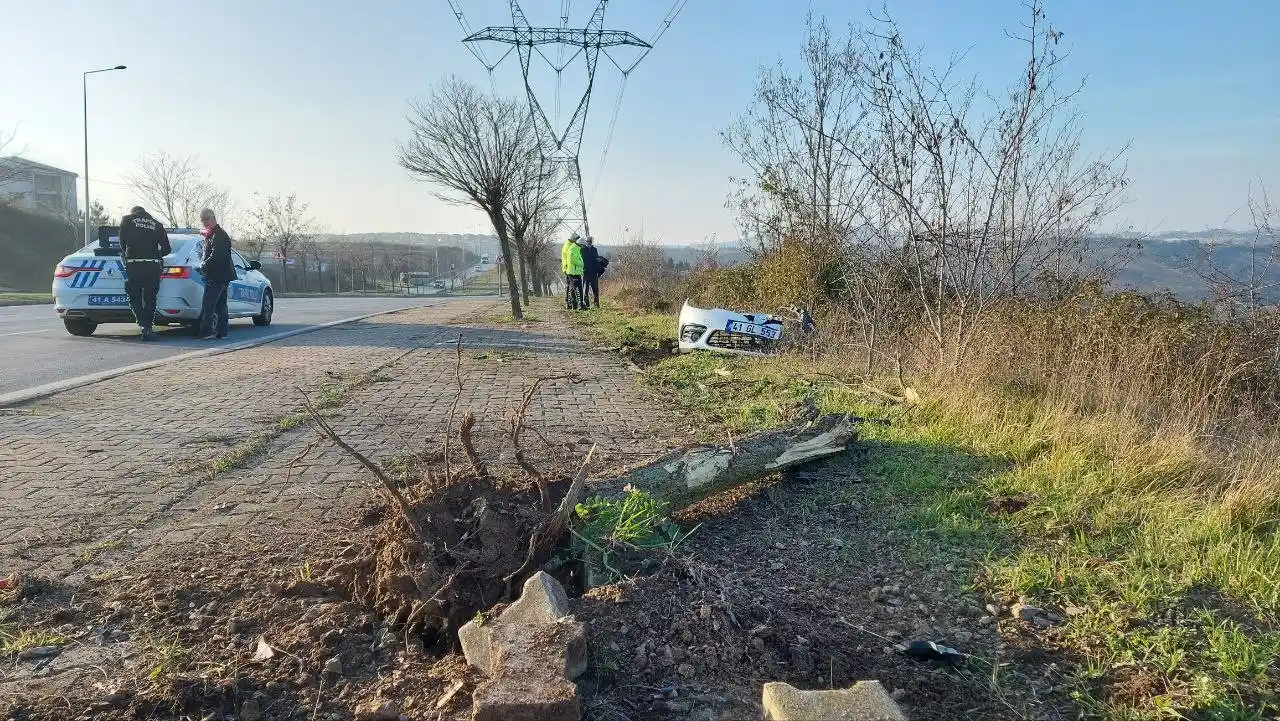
571, 264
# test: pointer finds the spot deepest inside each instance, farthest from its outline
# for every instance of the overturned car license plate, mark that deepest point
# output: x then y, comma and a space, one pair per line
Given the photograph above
108, 300
772, 332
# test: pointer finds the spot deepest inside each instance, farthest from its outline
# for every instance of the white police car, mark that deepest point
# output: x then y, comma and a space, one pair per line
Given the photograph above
89, 286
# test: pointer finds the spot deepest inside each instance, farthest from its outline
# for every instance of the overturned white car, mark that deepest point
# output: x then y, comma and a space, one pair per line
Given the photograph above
727, 331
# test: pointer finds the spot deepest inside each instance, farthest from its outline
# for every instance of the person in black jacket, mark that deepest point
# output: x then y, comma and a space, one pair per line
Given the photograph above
590, 272
143, 246
219, 270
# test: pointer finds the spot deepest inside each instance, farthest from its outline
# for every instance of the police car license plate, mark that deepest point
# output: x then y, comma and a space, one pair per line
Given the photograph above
772, 332
108, 300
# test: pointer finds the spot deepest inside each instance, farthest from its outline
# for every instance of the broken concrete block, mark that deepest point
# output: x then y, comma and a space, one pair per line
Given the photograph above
514, 697
530, 651
476, 638
865, 701
542, 602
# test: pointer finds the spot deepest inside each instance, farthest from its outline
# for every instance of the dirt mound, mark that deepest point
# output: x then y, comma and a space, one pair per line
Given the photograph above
431, 580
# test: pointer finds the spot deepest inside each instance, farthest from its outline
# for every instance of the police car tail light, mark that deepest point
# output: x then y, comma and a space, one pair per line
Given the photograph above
66, 271
179, 272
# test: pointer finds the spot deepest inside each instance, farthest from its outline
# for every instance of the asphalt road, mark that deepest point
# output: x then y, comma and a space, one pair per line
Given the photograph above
35, 349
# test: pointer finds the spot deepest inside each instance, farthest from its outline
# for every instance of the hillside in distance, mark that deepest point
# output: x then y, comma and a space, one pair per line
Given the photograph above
1157, 263
1174, 261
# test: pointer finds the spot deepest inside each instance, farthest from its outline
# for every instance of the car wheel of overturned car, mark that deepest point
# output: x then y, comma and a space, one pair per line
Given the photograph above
268, 307
79, 326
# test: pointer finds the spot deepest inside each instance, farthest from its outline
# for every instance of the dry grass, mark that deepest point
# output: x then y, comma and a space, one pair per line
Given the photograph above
1141, 435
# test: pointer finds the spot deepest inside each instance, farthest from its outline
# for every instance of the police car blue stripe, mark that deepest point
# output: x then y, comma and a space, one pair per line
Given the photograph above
93, 277
78, 279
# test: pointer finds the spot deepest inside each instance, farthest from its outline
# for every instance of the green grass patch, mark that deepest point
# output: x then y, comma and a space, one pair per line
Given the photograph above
1176, 607
96, 549
25, 298
612, 326
18, 641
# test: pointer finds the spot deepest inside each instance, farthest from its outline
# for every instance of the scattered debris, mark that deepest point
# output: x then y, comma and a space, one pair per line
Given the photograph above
1037, 616
39, 652
924, 650
264, 650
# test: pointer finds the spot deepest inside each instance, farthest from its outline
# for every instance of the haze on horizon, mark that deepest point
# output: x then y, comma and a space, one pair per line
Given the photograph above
310, 97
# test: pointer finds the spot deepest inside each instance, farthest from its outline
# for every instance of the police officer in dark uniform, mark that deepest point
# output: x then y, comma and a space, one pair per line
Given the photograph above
143, 245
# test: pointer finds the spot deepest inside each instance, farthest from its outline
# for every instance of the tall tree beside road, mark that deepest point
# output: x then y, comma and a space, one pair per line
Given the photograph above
475, 150
537, 198
176, 189
282, 223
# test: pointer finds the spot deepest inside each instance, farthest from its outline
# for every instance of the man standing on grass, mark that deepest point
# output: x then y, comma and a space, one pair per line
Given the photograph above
143, 246
571, 264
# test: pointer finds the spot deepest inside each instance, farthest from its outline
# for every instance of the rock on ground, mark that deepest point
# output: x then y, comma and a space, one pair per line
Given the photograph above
530, 652
865, 701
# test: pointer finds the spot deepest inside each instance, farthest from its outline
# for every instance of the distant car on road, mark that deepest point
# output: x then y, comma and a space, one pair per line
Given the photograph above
89, 290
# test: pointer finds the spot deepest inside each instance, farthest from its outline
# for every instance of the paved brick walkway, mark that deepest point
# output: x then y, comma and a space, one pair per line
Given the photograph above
100, 474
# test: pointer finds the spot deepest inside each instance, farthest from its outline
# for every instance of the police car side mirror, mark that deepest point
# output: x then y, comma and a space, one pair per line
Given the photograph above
255, 265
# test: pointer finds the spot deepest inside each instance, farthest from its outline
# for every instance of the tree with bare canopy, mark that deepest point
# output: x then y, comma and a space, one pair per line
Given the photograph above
532, 213
176, 189
281, 223
880, 171
475, 150
8, 172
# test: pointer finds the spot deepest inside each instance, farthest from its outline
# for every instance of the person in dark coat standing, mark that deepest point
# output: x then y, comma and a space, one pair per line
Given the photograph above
143, 246
219, 270
590, 272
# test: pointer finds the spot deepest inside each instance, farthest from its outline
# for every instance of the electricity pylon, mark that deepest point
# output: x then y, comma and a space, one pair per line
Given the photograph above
566, 143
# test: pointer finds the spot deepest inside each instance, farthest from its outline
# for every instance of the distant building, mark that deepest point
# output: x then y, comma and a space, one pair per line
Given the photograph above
35, 186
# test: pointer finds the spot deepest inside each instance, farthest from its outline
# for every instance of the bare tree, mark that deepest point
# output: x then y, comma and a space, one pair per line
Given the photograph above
535, 205
1250, 287
9, 171
281, 223
176, 189
974, 196
474, 149
792, 140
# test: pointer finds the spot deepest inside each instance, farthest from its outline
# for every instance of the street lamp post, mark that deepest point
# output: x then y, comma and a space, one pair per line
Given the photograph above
84, 87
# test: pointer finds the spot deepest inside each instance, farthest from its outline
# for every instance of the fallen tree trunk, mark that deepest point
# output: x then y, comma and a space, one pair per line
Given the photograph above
686, 476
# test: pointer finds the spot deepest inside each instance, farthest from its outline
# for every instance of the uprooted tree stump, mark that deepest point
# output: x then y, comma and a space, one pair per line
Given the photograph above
463, 537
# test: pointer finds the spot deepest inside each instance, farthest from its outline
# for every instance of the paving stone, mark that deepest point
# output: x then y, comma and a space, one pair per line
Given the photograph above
116, 459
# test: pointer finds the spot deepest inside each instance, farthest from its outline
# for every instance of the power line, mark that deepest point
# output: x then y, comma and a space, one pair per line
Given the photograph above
476, 51
613, 122
662, 29
588, 42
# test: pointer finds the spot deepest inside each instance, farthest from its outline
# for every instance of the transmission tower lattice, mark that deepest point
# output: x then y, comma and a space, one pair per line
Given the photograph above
565, 143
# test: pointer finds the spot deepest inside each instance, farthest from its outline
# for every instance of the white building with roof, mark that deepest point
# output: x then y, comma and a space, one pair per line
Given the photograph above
39, 187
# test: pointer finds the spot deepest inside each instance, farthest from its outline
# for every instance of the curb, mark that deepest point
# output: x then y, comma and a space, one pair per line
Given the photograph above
9, 400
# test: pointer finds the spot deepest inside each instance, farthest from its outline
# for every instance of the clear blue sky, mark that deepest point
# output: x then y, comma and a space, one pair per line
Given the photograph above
309, 96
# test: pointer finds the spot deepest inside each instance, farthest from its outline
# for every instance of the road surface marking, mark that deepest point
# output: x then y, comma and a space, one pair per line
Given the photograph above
25, 332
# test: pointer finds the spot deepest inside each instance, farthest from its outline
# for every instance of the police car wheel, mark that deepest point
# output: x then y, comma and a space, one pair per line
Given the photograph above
268, 308
79, 326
